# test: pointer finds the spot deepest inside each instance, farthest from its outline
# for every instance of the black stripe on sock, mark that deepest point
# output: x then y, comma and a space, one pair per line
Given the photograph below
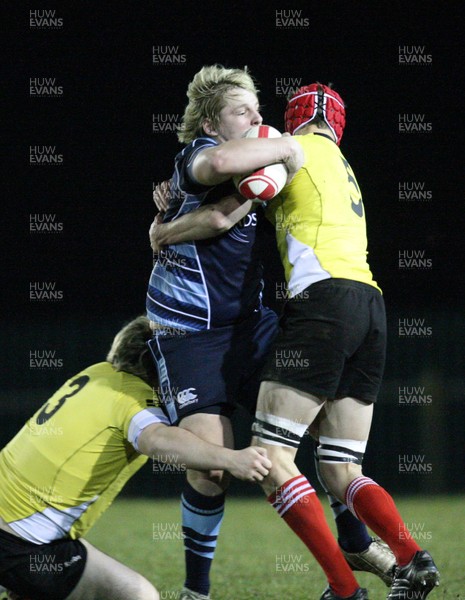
191, 545
192, 533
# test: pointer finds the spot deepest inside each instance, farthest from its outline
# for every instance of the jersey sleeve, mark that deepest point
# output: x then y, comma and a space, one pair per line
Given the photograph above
137, 408
183, 166
141, 420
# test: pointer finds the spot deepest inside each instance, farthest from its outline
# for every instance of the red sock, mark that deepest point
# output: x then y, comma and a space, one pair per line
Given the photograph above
296, 502
375, 507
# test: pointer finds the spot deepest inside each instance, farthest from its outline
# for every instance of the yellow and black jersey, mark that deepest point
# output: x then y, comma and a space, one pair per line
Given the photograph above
319, 219
70, 460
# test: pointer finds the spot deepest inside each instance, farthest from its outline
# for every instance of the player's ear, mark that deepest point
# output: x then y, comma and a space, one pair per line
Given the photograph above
207, 126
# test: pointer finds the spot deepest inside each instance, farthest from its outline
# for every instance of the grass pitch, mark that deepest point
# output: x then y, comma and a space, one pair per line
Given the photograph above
258, 557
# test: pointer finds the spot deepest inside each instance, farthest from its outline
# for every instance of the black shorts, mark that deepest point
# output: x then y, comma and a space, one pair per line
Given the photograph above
42, 572
331, 341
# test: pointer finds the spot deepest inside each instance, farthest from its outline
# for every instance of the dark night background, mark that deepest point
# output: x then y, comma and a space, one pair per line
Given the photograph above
102, 56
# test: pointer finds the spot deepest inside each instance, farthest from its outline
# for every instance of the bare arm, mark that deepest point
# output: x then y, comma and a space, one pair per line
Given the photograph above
205, 222
179, 446
235, 157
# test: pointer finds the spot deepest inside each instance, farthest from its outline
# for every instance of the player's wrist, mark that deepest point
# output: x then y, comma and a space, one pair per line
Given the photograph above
229, 459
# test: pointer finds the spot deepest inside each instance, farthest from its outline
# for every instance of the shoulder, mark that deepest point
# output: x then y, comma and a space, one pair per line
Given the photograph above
135, 387
136, 405
195, 146
184, 178
119, 385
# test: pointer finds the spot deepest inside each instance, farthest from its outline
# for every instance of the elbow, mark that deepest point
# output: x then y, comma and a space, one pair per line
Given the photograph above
219, 161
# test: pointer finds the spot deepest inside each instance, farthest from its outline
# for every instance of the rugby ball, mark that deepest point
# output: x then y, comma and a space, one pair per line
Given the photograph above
265, 183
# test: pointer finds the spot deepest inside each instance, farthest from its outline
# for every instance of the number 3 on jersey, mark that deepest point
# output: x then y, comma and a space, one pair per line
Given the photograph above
78, 383
356, 204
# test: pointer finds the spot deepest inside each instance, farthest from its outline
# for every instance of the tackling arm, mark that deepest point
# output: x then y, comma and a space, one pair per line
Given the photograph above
236, 157
183, 447
205, 222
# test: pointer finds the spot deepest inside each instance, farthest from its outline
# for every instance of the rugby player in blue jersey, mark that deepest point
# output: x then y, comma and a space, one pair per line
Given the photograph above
211, 332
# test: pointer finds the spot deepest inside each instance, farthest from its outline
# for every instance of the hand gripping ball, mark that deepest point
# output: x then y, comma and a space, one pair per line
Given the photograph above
264, 183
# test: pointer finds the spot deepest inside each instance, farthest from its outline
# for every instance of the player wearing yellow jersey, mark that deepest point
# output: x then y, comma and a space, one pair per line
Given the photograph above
70, 460
326, 364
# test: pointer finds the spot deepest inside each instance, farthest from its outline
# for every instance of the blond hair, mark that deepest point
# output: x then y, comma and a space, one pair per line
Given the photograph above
207, 94
129, 351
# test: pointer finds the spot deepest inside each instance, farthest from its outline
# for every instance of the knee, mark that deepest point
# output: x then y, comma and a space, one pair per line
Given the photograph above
282, 461
209, 483
340, 461
148, 591
337, 476
151, 594
219, 478
283, 468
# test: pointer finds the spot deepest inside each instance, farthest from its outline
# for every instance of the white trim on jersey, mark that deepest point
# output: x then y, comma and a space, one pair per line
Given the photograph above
165, 383
49, 525
179, 312
202, 274
306, 268
141, 420
166, 282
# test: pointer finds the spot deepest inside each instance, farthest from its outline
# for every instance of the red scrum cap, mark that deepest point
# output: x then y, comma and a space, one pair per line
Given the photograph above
316, 100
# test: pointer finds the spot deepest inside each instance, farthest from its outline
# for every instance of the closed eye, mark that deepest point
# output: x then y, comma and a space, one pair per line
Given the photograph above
247, 110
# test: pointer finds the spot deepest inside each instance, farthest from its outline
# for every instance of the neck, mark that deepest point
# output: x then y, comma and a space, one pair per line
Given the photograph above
312, 128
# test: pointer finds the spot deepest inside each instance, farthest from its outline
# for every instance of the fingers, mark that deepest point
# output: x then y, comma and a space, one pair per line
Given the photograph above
153, 235
261, 465
161, 195
265, 462
251, 464
260, 450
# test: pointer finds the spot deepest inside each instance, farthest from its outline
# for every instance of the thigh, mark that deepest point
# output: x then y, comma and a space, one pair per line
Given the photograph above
346, 418
104, 577
212, 428
216, 429
286, 402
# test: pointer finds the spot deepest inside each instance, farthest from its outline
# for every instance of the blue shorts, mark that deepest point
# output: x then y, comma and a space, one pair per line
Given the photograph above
213, 370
